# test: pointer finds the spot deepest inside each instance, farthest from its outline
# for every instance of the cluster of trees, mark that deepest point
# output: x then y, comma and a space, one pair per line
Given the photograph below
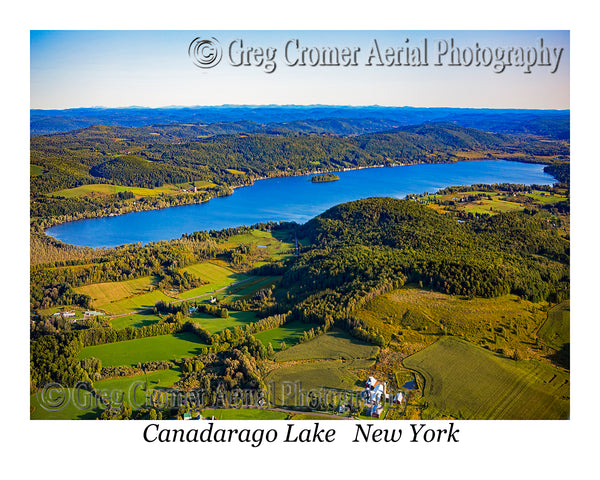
326, 177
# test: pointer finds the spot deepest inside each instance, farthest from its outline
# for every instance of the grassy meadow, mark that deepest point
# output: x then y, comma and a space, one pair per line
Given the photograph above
412, 318
216, 325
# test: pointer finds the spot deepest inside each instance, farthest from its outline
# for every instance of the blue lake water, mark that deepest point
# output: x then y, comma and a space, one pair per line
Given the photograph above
291, 199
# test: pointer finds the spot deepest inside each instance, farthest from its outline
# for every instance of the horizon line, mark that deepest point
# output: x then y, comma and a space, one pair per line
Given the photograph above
271, 105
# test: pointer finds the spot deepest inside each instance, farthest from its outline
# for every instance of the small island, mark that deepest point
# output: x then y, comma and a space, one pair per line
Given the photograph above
326, 177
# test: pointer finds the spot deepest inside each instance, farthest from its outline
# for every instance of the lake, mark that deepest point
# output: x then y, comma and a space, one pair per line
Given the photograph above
291, 199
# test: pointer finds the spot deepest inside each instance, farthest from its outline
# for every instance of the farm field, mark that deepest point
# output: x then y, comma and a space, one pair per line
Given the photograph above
108, 292
216, 325
490, 202
135, 391
138, 302
131, 352
102, 189
332, 345
71, 410
292, 383
288, 333
137, 320
413, 318
468, 382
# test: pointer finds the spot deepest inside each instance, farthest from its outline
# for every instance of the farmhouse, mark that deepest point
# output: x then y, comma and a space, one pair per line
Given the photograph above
374, 395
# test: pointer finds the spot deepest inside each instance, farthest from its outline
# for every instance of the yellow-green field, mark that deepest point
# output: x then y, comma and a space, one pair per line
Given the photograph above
108, 292
466, 381
98, 189
412, 318
332, 345
123, 297
101, 189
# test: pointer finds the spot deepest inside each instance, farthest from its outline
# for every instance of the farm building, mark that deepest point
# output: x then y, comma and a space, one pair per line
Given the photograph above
374, 395
398, 398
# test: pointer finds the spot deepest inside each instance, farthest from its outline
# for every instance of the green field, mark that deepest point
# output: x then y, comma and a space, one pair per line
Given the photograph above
556, 330
330, 346
288, 333
468, 382
215, 325
291, 384
216, 277
137, 320
130, 352
35, 170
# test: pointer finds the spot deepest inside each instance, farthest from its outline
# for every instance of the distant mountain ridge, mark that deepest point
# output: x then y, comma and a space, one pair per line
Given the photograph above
317, 119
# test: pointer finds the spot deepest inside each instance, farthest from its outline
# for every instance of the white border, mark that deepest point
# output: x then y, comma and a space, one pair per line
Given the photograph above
487, 449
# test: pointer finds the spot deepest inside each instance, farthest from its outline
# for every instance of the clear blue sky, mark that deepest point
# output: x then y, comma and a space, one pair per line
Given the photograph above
152, 68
